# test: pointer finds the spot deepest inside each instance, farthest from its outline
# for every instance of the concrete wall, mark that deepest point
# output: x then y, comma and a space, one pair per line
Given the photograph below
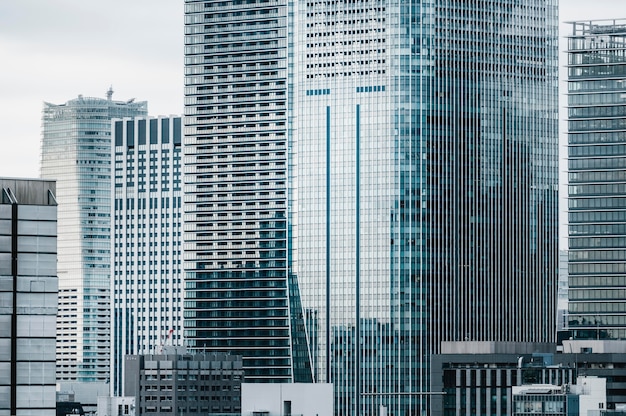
307, 399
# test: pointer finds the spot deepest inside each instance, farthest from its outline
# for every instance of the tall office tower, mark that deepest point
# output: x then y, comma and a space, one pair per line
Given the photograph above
419, 145
597, 165
76, 152
146, 276
28, 296
426, 154
239, 294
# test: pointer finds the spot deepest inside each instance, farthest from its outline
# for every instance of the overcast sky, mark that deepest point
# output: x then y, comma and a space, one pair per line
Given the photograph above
53, 50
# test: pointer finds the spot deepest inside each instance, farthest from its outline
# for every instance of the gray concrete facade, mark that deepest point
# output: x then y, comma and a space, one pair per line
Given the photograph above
176, 384
28, 297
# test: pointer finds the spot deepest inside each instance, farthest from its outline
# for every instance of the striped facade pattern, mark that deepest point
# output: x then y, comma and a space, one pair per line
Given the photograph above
76, 153
146, 260
597, 182
426, 208
420, 171
239, 294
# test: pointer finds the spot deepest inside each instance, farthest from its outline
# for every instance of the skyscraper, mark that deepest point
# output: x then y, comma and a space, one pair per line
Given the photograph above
76, 152
28, 296
146, 276
597, 175
236, 184
420, 142
425, 138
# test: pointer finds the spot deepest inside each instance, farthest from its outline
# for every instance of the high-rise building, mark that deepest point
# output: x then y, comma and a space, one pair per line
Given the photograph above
597, 179
146, 276
76, 152
426, 158
28, 296
237, 262
418, 146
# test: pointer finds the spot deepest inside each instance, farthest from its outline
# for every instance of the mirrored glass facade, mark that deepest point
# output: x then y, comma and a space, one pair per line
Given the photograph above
425, 160
76, 152
597, 179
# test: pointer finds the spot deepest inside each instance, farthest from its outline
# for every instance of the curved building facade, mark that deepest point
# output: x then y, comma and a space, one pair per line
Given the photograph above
76, 152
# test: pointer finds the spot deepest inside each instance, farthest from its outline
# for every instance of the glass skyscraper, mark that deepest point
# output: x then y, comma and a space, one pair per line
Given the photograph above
76, 152
597, 179
425, 148
418, 146
146, 266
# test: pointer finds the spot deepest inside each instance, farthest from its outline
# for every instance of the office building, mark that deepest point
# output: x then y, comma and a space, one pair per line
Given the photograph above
240, 296
76, 152
544, 399
178, 383
388, 168
28, 296
146, 265
477, 377
597, 173
425, 151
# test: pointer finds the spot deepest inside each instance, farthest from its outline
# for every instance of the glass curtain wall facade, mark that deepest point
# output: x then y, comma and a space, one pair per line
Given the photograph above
425, 167
76, 152
146, 260
597, 179
239, 295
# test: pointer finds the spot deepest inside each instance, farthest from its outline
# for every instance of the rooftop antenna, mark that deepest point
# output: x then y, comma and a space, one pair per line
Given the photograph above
110, 93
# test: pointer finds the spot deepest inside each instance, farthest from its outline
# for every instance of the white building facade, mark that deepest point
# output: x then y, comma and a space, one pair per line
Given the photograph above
146, 284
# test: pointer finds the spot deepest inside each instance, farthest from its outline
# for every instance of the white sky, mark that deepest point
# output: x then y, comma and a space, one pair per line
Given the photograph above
53, 50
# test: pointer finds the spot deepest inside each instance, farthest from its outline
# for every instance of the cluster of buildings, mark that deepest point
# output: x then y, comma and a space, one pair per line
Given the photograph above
361, 195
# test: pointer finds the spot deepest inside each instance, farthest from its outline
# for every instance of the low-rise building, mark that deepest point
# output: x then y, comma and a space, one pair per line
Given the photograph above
477, 377
542, 399
178, 383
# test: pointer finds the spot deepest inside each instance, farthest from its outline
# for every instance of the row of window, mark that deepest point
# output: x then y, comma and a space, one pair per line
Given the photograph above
597, 163
598, 189
605, 268
595, 203
596, 71
597, 307
597, 294
593, 124
586, 281
597, 229
598, 176
597, 85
